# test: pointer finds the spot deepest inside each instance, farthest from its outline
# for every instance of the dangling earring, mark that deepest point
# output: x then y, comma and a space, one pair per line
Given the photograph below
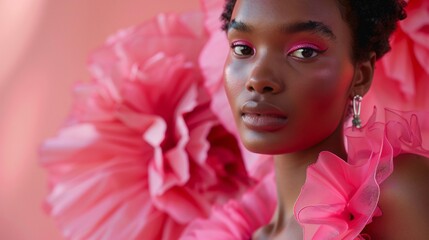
357, 102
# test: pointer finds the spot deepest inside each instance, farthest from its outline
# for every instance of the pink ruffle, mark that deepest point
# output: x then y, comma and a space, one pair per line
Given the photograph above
237, 219
406, 131
347, 192
142, 154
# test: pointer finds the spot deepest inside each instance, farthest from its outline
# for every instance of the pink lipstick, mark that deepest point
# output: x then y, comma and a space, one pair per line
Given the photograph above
262, 116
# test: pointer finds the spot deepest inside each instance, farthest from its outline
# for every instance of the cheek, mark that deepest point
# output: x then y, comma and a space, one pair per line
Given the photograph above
234, 81
323, 98
331, 85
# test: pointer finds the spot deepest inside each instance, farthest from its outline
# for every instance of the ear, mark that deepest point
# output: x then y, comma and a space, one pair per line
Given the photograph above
364, 72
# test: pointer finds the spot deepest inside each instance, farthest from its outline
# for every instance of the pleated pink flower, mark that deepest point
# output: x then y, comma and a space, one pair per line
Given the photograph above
142, 154
402, 76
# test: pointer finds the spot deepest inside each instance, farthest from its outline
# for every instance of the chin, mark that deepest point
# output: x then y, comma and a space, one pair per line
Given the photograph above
278, 145
266, 148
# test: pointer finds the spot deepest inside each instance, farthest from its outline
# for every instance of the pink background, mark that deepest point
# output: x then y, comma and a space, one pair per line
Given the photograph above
44, 48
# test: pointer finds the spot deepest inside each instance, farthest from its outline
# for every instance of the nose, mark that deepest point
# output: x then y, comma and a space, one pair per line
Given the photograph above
263, 80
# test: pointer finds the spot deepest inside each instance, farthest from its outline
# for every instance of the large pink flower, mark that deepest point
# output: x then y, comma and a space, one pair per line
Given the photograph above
402, 75
142, 154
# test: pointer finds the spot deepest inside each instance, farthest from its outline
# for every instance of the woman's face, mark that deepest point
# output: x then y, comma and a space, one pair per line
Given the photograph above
288, 73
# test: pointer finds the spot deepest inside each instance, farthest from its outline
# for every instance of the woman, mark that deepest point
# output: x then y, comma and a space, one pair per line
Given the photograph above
293, 70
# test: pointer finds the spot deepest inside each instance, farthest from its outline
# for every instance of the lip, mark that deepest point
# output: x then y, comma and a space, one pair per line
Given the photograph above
262, 116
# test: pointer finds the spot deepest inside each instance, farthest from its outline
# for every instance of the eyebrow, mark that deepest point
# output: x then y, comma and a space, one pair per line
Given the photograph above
309, 26
239, 26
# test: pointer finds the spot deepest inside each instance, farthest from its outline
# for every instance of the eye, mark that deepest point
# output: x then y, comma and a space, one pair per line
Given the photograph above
304, 53
242, 49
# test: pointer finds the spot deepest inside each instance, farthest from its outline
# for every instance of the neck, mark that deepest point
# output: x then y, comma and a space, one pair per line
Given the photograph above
291, 171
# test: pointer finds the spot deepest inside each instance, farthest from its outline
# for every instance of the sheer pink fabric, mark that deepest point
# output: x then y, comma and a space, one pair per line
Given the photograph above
142, 154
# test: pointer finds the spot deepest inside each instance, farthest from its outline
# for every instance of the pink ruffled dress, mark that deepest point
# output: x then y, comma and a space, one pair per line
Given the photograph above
150, 150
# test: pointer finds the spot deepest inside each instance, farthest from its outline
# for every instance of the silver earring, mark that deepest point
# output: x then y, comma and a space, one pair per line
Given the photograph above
357, 103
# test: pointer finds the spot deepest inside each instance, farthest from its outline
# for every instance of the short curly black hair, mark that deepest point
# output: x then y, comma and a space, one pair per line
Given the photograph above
372, 23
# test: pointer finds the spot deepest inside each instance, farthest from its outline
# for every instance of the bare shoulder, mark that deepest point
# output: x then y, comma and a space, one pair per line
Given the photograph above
404, 201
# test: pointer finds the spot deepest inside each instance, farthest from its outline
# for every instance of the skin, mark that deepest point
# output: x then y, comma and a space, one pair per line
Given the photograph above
293, 56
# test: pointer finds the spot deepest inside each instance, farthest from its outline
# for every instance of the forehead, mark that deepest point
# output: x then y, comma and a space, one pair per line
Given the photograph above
269, 13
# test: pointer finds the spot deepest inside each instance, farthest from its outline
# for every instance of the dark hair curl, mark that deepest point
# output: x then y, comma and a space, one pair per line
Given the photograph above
372, 23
